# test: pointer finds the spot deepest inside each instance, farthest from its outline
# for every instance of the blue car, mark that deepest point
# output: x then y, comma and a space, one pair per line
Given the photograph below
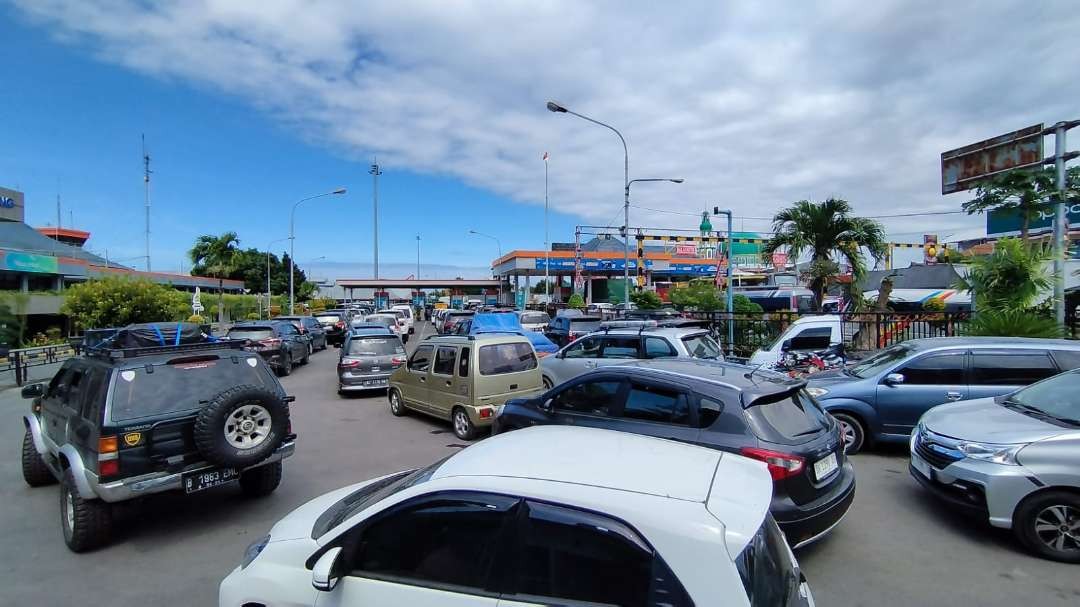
485, 322
882, 397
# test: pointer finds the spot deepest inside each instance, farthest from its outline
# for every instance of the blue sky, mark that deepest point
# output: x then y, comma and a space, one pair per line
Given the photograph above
218, 165
249, 106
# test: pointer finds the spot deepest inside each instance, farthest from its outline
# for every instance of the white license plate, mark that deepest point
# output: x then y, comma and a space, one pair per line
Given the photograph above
921, 465
825, 466
375, 382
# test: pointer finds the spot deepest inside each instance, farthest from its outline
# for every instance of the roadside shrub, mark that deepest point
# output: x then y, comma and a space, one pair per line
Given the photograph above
253, 316
576, 302
116, 301
197, 319
646, 300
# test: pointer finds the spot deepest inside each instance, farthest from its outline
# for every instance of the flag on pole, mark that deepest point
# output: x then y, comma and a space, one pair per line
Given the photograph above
545, 156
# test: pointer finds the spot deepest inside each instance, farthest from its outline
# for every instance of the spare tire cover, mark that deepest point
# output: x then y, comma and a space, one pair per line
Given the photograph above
241, 426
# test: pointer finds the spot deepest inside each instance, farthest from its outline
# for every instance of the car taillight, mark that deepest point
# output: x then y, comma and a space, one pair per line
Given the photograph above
108, 456
571, 336
486, 413
348, 364
781, 465
270, 343
340, 324
398, 361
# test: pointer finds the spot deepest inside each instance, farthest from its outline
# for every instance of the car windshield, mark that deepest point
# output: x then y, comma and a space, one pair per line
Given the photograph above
1057, 397
375, 346
702, 345
880, 361
534, 318
182, 384
767, 568
371, 494
252, 333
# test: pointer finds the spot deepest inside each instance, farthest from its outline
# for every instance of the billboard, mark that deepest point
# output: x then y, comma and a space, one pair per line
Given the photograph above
12, 205
1007, 222
29, 262
963, 168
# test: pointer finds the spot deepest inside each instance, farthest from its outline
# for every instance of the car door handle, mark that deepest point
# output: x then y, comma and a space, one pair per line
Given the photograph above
449, 383
423, 380
953, 395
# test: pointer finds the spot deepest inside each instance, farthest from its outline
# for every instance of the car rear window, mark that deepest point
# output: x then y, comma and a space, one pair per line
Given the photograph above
254, 333
583, 324
328, 319
498, 359
786, 417
534, 318
181, 384
375, 346
767, 568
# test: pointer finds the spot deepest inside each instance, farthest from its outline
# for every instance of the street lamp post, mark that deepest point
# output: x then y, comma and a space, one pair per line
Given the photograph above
547, 245
268, 246
292, 242
498, 244
375, 172
555, 107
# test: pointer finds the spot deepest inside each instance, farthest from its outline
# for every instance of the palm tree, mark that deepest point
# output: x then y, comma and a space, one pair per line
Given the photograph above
824, 230
218, 257
1025, 193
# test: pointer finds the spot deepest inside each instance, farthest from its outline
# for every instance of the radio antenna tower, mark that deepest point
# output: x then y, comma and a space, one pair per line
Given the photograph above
146, 184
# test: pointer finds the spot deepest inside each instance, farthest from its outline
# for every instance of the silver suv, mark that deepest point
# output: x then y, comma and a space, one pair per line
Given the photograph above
612, 346
1012, 459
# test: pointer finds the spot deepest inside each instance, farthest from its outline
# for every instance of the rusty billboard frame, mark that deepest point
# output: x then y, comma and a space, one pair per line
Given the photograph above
963, 168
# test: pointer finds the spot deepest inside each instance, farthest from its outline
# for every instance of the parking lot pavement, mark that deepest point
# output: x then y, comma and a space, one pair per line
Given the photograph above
896, 547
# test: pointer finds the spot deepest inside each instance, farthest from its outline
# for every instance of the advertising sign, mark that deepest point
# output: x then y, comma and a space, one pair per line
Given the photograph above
686, 250
779, 260
11, 205
29, 262
562, 246
930, 249
963, 168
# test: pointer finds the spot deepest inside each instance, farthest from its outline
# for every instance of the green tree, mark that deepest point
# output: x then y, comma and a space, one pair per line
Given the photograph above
646, 300
217, 256
824, 230
116, 301
1012, 277
576, 301
701, 295
1025, 193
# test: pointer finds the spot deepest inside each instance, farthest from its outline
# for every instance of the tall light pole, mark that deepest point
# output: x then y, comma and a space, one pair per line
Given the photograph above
547, 245
268, 246
555, 107
418, 293
499, 246
292, 243
375, 172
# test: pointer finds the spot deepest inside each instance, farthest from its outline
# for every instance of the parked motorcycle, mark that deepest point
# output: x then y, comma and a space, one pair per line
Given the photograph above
800, 364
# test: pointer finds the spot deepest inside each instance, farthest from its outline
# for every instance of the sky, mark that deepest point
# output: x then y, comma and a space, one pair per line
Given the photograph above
248, 107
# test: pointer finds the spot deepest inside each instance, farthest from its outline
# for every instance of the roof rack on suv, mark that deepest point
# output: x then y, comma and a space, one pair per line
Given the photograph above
105, 351
640, 325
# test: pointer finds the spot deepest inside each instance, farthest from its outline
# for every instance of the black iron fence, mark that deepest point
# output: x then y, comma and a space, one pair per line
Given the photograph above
860, 331
20, 360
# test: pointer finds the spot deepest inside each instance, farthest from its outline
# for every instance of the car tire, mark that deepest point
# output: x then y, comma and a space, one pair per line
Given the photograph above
241, 426
34, 470
307, 356
261, 481
286, 366
397, 404
87, 524
1048, 524
548, 384
463, 426
852, 431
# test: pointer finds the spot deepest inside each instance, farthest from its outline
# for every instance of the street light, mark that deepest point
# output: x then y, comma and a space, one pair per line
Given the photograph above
558, 109
292, 242
497, 244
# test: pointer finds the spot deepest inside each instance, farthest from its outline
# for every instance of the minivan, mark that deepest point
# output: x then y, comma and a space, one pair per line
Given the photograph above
463, 379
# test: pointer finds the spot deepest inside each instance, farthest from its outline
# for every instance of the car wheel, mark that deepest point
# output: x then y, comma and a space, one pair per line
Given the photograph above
261, 481
241, 426
307, 356
34, 470
1048, 524
547, 383
852, 431
286, 366
397, 406
463, 426
87, 524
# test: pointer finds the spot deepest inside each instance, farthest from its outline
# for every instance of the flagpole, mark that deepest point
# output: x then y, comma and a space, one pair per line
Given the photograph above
547, 245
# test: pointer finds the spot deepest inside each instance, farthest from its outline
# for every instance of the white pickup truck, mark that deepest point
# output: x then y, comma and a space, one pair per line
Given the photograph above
806, 333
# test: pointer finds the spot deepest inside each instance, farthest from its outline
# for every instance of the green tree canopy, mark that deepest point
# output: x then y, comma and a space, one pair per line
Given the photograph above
1024, 192
824, 230
1010, 278
218, 255
576, 302
117, 301
646, 300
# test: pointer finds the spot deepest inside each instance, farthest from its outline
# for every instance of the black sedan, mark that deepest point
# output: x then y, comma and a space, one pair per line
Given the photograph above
761, 415
278, 342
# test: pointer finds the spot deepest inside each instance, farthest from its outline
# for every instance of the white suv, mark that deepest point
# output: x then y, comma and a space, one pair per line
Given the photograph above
542, 515
410, 319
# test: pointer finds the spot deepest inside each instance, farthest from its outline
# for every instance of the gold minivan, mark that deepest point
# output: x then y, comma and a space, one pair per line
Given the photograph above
464, 378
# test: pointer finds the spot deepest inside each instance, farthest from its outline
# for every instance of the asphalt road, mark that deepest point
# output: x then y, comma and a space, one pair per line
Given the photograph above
896, 547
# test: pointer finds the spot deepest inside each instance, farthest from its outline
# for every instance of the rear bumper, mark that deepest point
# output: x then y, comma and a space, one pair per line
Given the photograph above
806, 523
158, 482
347, 384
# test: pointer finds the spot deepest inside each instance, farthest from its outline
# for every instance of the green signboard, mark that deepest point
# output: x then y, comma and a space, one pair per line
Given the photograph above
29, 262
1007, 223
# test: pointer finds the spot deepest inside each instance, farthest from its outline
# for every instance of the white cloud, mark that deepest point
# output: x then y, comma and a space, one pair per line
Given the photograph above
755, 105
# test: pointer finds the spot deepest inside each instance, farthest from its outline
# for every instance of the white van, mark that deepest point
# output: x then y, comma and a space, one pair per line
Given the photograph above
806, 333
410, 320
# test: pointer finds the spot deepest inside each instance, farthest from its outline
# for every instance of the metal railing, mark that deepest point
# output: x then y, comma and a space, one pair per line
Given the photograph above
21, 359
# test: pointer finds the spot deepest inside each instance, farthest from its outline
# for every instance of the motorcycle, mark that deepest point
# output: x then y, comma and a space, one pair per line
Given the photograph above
801, 364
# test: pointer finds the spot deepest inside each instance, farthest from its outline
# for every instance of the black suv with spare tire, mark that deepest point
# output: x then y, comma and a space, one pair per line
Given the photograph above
125, 420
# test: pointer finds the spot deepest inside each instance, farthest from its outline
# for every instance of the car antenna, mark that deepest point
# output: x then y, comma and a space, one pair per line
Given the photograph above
750, 374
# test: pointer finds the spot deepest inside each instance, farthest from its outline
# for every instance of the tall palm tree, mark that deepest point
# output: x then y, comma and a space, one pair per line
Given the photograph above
825, 229
218, 256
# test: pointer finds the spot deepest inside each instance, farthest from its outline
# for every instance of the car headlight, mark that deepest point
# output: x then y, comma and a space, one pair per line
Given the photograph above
253, 550
991, 452
817, 392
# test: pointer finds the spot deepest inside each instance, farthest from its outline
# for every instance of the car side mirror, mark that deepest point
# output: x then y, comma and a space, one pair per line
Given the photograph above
33, 391
547, 405
323, 576
894, 379
785, 346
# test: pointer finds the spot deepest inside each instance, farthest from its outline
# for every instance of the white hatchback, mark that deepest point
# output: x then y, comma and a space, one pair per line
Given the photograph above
539, 516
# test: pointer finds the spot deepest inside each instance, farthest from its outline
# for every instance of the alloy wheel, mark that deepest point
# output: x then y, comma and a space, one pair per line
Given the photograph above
1058, 526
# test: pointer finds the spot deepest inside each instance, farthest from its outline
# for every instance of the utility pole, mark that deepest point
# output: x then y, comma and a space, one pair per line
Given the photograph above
730, 292
375, 172
1060, 214
547, 245
146, 195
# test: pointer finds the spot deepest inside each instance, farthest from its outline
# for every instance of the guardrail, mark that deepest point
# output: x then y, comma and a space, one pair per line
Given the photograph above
21, 359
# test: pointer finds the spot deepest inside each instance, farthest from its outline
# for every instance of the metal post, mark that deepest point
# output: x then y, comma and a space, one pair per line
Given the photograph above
547, 245
375, 172
626, 224
730, 292
146, 195
1059, 224
292, 260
